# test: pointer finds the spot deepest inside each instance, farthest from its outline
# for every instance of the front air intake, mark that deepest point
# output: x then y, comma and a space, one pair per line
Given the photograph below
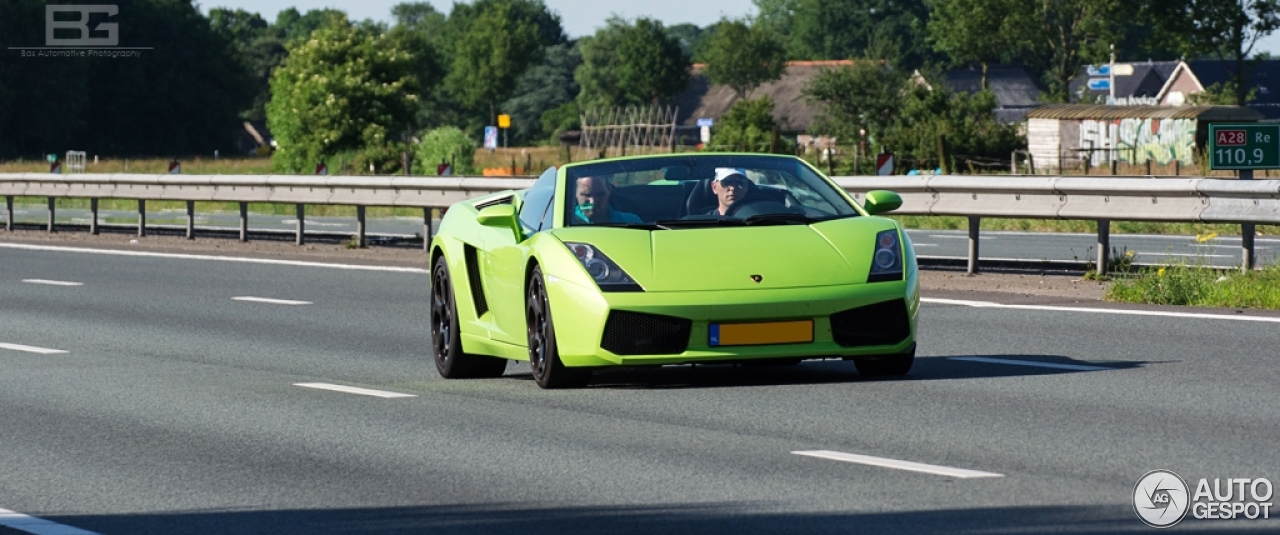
634, 333
880, 324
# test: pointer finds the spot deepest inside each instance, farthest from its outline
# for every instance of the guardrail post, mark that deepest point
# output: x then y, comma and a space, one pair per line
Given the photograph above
1104, 245
974, 224
8, 210
191, 220
51, 214
93, 216
360, 228
1246, 234
302, 214
142, 217
426, 229
244, 221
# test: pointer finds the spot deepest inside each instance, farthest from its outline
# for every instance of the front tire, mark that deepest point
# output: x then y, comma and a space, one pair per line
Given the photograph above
446, 339
886, 365
544, 355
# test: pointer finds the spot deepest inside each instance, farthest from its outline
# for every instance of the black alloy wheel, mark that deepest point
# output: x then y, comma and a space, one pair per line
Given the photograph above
544, 356
446, 342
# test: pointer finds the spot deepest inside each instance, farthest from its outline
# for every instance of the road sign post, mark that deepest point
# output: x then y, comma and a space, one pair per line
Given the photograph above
1245, 147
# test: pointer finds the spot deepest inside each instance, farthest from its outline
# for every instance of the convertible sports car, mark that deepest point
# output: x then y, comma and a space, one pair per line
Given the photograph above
672, 259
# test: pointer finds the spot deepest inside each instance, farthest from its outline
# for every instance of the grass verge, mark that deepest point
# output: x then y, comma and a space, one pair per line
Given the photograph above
1081, 227
1193, 285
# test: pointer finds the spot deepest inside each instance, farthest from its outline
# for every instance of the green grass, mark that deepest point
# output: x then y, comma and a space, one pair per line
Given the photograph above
1191, 285
1083, 227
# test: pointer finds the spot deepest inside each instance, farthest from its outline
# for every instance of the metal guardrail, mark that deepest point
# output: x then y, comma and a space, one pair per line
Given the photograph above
1206, 200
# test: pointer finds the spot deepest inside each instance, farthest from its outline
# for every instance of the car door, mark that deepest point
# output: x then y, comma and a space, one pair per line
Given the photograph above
508, 256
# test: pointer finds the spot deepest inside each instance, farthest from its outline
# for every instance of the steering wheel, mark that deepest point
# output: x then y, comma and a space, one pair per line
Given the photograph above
750, 206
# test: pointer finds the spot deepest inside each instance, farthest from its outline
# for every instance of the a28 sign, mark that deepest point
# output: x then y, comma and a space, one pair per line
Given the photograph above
1244, 146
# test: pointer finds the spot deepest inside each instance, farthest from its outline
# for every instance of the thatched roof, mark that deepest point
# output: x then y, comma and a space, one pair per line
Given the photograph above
792, 113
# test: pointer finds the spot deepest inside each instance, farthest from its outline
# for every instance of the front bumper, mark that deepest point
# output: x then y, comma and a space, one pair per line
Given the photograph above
643, 328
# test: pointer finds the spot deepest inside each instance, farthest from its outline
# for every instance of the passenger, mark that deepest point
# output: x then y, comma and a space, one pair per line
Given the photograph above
593, 203
730, 186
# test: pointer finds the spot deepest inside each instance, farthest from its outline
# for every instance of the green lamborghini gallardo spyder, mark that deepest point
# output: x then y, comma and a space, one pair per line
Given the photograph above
672, 259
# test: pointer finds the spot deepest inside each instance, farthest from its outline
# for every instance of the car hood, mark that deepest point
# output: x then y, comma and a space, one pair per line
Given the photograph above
733, 258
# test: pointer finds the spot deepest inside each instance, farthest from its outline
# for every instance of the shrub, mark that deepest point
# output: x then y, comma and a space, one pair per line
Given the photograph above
445, 144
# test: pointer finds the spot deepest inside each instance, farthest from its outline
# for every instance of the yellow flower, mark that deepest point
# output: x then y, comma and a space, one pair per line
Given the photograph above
1201, 238
1160, 272
1130, 253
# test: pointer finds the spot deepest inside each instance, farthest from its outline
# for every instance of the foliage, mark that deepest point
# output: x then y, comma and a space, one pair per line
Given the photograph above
630, 63
345, 89
891, 30
973, 31
690, 37
564, 117
966, 120
489, 58
445, 144
1187, 284
776, 17
542, 88
748, 126
743, 57
866, 95
294, 26
1225, 29
257, 46
182, 96
1221, 94
1058, 36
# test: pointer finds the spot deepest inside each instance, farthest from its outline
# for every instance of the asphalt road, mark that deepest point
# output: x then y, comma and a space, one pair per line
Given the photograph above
173, 408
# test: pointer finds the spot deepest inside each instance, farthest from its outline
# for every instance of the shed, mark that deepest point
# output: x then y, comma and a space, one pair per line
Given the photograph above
1061, 136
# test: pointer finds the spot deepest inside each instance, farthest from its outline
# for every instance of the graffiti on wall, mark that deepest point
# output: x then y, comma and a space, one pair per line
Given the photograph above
1135, 141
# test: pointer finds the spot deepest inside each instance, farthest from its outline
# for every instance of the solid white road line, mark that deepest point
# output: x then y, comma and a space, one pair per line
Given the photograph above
27, 247
271, 301
934, 469
924, 244
1123, 312
954, 237
1054, 365
355, 390
38, 526
52, 283
31, 349
1187, 255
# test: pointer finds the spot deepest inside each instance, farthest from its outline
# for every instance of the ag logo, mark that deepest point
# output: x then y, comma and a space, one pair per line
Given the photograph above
1161, 498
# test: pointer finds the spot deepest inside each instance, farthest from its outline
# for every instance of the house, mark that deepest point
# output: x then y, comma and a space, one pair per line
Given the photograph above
1066, 136
1016, 91
704, 100
1171, 83
1137, 84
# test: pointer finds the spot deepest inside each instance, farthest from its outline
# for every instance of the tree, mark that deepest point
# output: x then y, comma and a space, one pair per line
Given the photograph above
342, 91
743, 57
295, 26
542, 88
973, 31
1061, 35
747, 126
490, 57
1224, 29
628, 63
690, 37
967, 121
776, 17
891, 30
864, 96
257, 46
446, 144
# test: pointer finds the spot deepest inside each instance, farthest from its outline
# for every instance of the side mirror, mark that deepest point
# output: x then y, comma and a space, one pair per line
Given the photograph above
880, 201
498, 215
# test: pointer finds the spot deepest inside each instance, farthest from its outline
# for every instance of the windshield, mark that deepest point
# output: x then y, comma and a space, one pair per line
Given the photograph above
701, 190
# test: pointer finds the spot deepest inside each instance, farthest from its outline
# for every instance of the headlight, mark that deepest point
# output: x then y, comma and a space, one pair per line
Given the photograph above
604, 271
886, 263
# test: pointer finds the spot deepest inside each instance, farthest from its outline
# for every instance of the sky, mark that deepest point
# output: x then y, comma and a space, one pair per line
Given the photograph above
579, 17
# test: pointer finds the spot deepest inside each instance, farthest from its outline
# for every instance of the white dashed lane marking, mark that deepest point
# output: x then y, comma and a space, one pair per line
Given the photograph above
31, 349
355, 390
37, 526
271, 301
52, 283
896, 464
1054, 365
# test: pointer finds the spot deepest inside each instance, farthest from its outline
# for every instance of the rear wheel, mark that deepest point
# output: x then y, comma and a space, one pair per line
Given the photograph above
446, 340
544, 356
886, 365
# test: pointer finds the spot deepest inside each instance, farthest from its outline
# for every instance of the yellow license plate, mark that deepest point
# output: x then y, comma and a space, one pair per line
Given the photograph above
753, 334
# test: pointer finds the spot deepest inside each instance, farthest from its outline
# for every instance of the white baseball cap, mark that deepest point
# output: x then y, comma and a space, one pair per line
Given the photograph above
726, 172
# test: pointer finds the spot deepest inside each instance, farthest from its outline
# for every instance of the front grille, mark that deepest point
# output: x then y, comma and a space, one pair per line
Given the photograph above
872, 325
633, 333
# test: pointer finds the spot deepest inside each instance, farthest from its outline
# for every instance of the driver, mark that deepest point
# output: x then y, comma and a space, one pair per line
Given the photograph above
731, 185
593, 203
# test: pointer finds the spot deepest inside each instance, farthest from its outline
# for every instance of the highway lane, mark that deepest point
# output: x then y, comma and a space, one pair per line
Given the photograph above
174, 410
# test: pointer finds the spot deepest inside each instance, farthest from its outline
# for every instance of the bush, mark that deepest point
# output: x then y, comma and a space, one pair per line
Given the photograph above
445, 144
747, 126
